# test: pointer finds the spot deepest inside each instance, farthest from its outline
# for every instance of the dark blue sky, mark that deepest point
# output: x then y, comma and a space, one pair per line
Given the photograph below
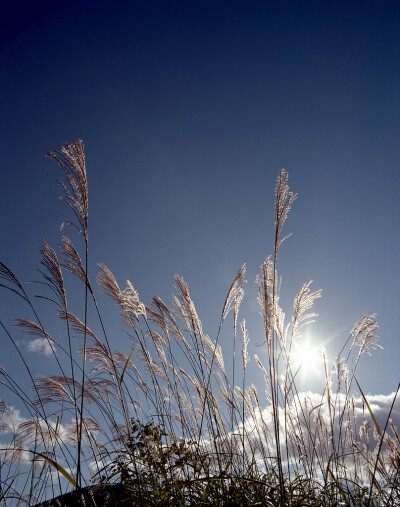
188, 109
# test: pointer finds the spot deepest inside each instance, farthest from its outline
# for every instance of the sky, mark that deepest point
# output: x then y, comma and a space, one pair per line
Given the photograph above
188, 110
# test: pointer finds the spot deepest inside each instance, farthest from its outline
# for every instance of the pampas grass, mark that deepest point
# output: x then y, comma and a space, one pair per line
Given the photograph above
163, 418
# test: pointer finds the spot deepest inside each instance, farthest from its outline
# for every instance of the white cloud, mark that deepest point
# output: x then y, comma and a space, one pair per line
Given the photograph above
39, 345
308, 423
380, 405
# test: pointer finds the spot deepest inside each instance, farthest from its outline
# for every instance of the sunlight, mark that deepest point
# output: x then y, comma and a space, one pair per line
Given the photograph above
306, 356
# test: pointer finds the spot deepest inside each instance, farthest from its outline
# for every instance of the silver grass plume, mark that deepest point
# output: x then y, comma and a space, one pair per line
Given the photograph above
160, 314
131, 302
11, 282
283, 202
268, 297
31, 328
73, 262
38, 431
303, 302
364, 334
53, 390
235, 294
53, 275
185, 307
246, 339
128, 299
71, 159
108, 284
76, 324
98, 354
264, 371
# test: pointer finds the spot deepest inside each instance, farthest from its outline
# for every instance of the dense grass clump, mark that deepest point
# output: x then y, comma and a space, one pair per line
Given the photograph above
164, 419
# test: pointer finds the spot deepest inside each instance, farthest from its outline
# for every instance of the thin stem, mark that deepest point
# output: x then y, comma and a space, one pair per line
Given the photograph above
78, 468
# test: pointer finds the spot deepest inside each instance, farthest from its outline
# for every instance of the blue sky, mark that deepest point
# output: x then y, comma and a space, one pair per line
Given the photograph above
188, 110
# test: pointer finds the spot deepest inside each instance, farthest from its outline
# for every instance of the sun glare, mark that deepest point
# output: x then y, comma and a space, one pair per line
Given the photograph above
306, 356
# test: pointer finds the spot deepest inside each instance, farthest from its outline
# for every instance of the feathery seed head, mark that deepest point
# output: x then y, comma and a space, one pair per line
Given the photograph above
71, 159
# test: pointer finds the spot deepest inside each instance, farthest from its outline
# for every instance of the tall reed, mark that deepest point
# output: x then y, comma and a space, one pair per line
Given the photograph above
165, 418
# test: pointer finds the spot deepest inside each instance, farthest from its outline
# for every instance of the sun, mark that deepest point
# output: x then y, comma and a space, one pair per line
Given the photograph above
306, 357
